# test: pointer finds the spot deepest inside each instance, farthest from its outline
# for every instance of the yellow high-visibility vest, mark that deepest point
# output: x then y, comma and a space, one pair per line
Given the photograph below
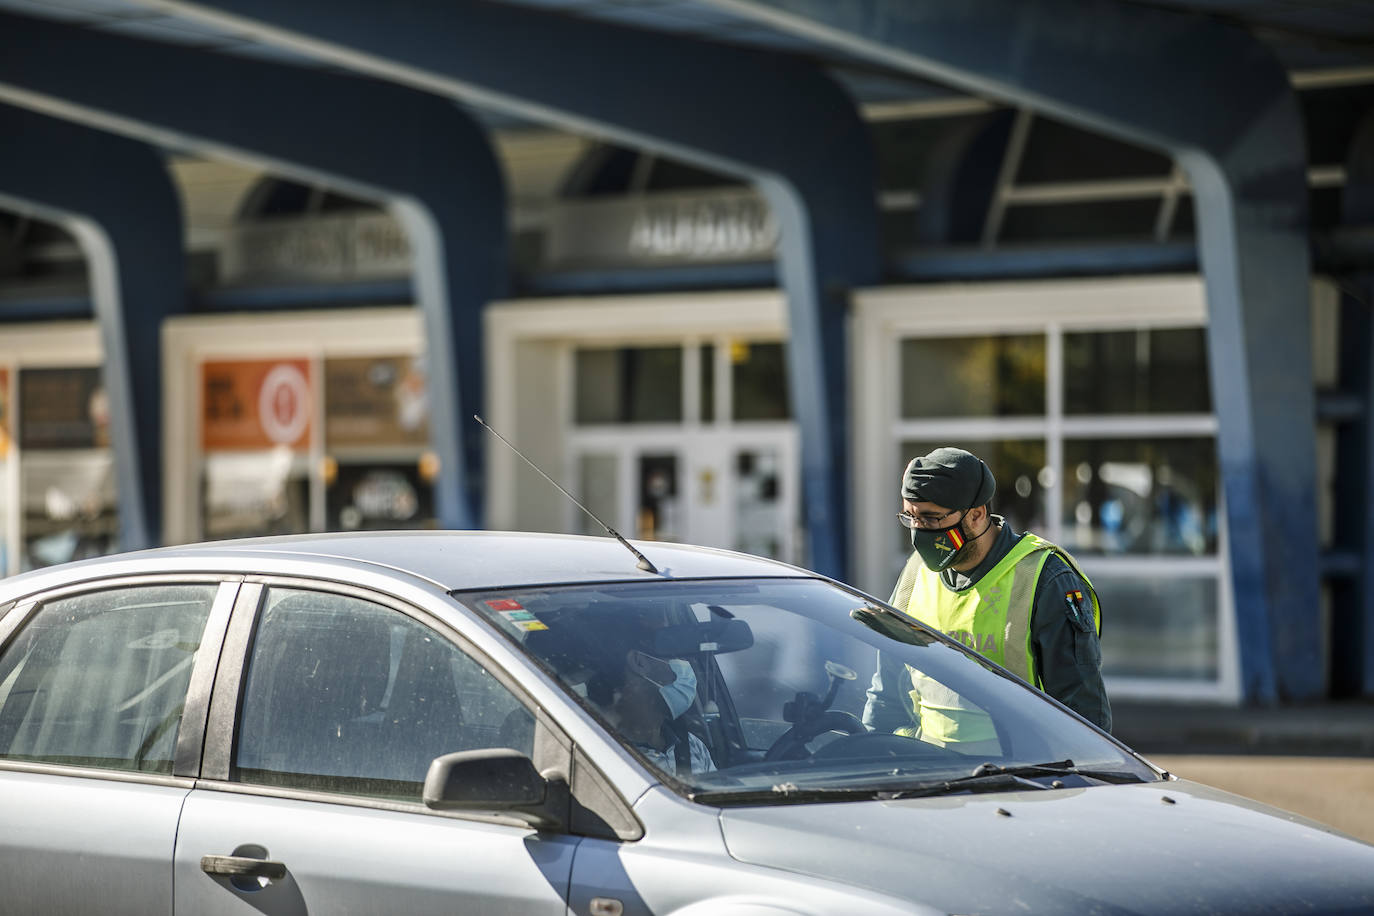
992, 617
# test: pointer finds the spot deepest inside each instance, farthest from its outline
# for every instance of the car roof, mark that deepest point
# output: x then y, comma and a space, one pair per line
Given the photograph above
456, 560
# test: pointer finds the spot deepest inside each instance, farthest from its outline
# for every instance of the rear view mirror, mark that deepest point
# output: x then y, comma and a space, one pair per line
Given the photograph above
715, 636
493, 781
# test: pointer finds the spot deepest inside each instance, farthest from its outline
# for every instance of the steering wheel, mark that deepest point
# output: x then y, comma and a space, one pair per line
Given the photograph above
812, 716
791, 744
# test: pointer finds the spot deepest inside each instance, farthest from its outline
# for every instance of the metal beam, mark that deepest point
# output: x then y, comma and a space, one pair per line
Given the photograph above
776, 120
1215, 98
419, 154
130, 231
1352, 607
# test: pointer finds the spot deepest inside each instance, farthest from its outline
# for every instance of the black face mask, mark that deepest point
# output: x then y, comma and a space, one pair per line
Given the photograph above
939, 546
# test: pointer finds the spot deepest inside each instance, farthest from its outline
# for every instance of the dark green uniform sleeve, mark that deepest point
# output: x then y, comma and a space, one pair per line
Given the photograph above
888, 705
1068, 654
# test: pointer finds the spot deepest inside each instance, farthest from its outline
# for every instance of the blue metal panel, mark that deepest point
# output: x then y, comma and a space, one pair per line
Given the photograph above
778, 121
1353, 618
420, 154
130, 231
1212, 96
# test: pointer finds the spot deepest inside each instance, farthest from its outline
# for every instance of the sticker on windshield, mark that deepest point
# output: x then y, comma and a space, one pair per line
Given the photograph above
521, 618
504, 604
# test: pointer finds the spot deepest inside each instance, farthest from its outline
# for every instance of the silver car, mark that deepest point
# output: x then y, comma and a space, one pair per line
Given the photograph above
509, 723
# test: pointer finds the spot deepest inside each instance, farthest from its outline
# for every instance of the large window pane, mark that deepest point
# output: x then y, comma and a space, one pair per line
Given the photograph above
660, 510
70, 509
759, 517
628, 385
375, 401
245, 494
1143, 371
993, 376
1161, 626
1142, 496
759, 372
598, 478
344, 695
378, 496
99, 680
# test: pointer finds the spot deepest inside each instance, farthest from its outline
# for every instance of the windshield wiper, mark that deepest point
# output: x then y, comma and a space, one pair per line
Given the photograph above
986, 777
790, 794
1056, 768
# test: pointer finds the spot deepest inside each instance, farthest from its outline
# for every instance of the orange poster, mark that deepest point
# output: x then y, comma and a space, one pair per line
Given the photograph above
255, 404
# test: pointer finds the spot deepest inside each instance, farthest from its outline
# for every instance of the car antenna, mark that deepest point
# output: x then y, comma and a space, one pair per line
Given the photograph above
643, 563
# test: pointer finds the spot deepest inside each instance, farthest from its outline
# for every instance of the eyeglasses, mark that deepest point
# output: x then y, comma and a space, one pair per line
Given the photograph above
927, 520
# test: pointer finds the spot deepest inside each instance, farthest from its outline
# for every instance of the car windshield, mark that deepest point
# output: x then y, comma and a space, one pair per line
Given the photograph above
758, 691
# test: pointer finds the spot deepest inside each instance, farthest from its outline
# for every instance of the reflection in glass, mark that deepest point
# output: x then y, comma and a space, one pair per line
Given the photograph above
758, 504
1161, 370
993, 376
244, 494
759, 372
597, 476
1160, 626
628, 385
660, 510
1142, 496
69, 506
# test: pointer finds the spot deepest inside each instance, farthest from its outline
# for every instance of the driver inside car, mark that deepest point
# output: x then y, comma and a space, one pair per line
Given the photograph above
646, 703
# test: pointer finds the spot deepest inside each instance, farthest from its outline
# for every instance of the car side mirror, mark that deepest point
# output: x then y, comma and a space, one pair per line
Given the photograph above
496, 781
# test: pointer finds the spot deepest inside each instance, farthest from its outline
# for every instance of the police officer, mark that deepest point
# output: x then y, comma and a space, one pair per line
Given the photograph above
1017, 599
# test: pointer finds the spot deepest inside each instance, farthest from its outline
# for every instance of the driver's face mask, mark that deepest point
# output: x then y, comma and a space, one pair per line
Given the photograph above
680, 693
674, 677
939, 547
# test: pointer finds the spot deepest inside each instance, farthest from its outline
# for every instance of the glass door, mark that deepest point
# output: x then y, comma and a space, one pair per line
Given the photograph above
688, 442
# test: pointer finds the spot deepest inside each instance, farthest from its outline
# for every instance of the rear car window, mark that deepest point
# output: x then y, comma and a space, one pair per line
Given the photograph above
100, 679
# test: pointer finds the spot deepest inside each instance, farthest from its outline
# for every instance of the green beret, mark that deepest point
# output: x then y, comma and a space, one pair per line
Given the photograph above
949, 477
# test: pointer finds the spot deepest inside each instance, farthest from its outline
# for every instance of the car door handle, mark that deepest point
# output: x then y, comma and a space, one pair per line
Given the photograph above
243, 867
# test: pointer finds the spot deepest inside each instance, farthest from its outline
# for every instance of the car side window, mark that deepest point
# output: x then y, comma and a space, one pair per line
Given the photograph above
346, 695
100, 679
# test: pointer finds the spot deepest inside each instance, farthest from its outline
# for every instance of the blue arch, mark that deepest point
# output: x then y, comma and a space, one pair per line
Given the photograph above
427, 160
130, 232
776, 120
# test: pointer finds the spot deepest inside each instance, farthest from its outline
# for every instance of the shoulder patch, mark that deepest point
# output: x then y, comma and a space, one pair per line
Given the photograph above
1078, 615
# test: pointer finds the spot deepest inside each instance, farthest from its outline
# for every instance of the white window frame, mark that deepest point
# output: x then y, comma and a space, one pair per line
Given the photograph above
190, 341
686, 320
47, 345
882, 318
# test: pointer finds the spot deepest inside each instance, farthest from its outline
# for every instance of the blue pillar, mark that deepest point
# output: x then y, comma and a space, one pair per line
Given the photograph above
1352, 617
1216, 99
418, 153
775, 120
126, 216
